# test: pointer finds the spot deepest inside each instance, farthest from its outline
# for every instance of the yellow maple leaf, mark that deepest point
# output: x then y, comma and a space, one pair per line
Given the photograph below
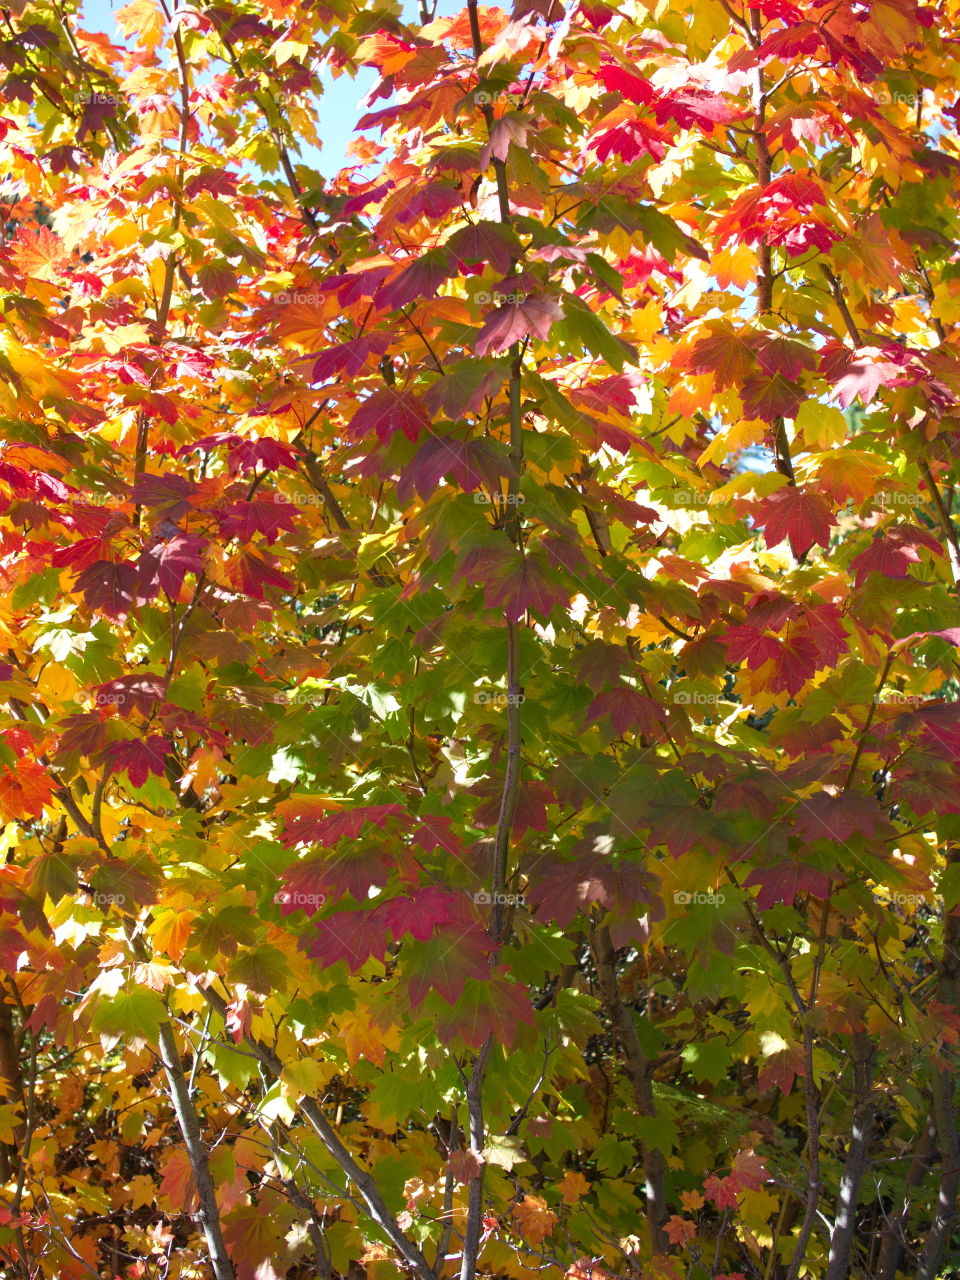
143, 1190
572, 1187
535, 1221
10, 1121
171, 931
307, 1077
735, 266
364, 1039
850, 473
820, 425
144, 19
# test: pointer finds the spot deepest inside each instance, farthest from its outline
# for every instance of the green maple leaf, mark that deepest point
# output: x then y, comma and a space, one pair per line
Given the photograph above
133, 1015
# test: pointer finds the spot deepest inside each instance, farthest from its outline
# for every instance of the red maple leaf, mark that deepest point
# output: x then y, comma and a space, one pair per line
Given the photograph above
109, 588
254, 572
630, 140
724, 352
309, 885
510, 323
837, 817
486, 242
138, 758
421, 279
165, 563
785, 880
795, 662
770, 397
385, 412
562, 889
306, 823
780, 1069
751, 645
892, 552
798, 514
627, 708
486, 1008
352, 936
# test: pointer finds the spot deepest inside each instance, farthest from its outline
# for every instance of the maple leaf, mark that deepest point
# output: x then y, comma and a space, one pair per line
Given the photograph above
786, 356
349, 357
535, 1221
636, 88
825, 816
785, 881
781, 1068
526, 585
750, 644
563, 889
798, 514
254, 572
419, 915
723, 351
385, 412
599, 664
255, 1242
421, 279
630, 140
891, 553
771, 397
352, 936
241, 520
465, 385
627, 709
166, 562
25, 792
859, 373
471, 463
109, 588
486, 1007
682, 825
445, 961
139, 758
169, 493
508, 324
795, 661
309, 821
244, 455
465, 1166
490, 242
178, 1190
508, 130
309, 884
680, 1231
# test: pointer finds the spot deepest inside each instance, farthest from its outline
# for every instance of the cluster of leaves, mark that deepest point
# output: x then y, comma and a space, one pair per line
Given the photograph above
479, 740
